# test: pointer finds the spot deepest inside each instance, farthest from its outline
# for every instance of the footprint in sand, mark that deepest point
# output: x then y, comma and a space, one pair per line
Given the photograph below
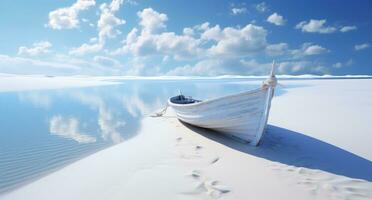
192, 151
210, 187
188, 150
178, 141
320, 183
196, 174
215, 160
198, 147
214, 189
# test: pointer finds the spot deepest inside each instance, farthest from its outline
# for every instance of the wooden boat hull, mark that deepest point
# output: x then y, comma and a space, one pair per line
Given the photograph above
241, 115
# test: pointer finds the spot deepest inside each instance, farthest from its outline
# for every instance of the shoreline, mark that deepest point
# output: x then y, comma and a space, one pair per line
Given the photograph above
17, 83
302, 156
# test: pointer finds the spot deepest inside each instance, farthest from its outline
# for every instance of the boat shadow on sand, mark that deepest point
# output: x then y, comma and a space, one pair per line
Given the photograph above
296, 149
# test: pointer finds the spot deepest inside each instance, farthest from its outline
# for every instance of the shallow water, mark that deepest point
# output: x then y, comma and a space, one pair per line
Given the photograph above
42, 131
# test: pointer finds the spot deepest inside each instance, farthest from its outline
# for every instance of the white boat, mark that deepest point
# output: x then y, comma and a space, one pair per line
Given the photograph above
242, 115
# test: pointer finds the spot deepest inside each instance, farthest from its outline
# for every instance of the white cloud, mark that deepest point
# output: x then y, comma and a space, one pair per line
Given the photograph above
215, 67
85, 20
132, 36
340, 64
141, 66
150, 41
348, 28
315, 49
359, 47
115, 5
180, 46
319, 26
300, 67
223, 42
315, 26
308, 49
238, 11
69, 128
262, 7
277, 49
239, 41
349, 62
231, 41
337, 65
132, 2
202, 27
188, 31
55, 65
93, 40
106, 61
86, 49
167, 43
213, 33
67, 18
276, 19
210, 67
214, 49
9, 64
108, 22
106, 26
222, 66
152, 21
37, 48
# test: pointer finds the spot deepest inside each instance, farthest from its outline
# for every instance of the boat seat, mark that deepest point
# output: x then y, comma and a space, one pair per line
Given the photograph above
181, 99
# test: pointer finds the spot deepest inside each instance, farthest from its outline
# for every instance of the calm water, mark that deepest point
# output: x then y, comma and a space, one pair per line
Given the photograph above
42, 131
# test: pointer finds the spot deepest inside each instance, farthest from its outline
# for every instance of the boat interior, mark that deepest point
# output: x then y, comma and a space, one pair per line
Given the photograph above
181, 99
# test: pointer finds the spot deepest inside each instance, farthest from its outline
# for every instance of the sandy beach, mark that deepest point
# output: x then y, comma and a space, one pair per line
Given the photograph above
317, 146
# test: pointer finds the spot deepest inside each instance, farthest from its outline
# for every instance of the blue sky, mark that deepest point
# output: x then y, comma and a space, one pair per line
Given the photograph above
198, 38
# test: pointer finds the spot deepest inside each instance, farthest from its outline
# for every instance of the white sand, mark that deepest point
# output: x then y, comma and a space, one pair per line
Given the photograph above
318, 146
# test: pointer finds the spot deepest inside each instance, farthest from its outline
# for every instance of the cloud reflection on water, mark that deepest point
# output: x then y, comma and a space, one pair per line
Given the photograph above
59, 126
111, 126
38, 99
137, 107
69, 128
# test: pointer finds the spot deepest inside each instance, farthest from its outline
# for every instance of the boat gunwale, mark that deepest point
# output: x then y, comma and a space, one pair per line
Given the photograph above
216, 99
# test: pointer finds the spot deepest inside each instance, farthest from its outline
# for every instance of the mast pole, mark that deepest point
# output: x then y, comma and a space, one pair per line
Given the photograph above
272, 74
